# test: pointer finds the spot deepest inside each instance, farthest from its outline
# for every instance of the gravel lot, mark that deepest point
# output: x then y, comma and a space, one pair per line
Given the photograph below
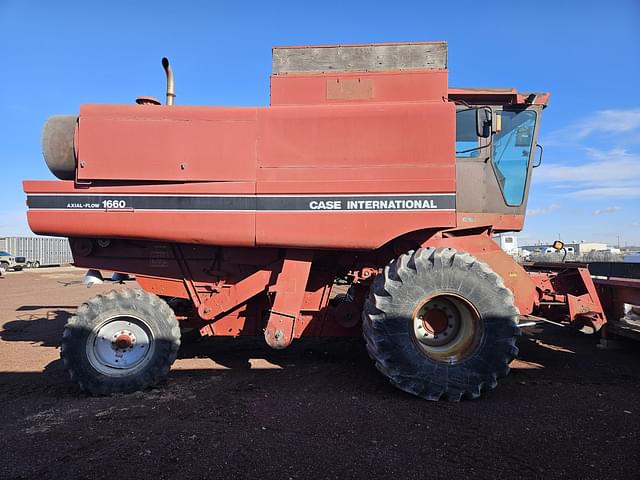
234, 408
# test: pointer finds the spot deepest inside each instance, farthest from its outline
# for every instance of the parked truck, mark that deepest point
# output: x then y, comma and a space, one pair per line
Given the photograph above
9, 261
238, 221
39, 251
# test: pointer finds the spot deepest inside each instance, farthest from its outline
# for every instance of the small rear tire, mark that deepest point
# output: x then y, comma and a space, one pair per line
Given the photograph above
120, 342
440, 324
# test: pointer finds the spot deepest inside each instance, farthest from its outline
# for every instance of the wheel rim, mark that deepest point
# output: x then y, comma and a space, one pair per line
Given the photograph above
446, 328
120, 346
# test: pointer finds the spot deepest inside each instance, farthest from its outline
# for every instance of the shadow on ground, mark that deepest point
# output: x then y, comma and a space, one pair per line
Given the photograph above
547, 355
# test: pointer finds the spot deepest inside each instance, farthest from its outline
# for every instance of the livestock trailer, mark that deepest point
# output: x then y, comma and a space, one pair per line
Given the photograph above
39, 251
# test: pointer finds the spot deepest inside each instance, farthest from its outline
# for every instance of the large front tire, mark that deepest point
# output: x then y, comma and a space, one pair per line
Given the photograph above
440, 324
120, 342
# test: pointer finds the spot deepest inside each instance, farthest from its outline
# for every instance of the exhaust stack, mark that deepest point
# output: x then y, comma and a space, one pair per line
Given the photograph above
169, 73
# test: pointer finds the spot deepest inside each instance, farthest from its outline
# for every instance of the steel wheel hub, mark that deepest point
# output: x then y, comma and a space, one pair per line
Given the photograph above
437, 323
446, 327
120, 345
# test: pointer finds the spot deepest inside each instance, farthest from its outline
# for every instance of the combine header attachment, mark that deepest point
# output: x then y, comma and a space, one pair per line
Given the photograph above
238, 221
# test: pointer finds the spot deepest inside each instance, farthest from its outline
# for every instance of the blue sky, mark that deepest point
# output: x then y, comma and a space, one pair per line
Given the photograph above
56, 55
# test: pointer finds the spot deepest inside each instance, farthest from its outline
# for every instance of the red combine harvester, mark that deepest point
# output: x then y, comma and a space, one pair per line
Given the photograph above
366, 166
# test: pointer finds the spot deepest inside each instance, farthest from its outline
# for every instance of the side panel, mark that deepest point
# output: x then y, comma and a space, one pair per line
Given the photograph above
189, 215
389, 151
137, 142
358, 136
311, 89
394, 161
172, 212
344, 230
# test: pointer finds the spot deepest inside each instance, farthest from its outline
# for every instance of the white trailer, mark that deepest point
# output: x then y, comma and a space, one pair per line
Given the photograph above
39, 251
508, 243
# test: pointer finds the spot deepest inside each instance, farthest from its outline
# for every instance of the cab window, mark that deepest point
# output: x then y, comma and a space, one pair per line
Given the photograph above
466, 136
511, 152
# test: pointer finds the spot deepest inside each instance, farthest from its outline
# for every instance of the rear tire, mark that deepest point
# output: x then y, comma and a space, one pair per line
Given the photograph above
123, 341
440, 324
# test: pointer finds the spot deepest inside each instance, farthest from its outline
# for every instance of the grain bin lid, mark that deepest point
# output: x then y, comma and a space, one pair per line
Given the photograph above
364, 58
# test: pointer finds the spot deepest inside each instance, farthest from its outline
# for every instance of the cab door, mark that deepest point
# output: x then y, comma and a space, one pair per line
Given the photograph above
493, 174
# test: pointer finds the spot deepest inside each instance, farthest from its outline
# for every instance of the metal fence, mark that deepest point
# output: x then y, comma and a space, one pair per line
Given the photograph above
43, 250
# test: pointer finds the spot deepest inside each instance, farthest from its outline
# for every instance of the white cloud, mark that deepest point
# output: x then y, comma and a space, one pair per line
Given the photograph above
607, 173
605, 211
606, 192
612, 122
623, 124
534, 212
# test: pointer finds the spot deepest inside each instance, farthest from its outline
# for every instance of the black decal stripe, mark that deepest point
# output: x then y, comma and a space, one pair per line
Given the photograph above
141, 202
250, 203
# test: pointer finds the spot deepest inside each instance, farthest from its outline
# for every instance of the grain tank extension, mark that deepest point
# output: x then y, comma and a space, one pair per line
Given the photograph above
366, 166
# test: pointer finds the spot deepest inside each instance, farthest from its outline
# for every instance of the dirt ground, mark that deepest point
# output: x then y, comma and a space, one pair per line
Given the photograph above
236, 409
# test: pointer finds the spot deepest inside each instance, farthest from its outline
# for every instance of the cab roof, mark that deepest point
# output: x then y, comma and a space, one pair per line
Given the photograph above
498, 95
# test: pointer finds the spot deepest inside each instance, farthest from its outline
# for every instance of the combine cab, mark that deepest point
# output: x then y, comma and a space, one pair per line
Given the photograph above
238, 221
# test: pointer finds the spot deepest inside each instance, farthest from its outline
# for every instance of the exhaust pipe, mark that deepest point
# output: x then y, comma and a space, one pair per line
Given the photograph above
167, 70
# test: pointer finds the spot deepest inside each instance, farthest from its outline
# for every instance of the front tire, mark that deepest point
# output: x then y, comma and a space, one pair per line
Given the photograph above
440, 324
120, 342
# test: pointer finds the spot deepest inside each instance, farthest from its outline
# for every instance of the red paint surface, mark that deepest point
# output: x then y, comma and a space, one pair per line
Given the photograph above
140, 142
343, 230
392, 147
499, 222
299, 89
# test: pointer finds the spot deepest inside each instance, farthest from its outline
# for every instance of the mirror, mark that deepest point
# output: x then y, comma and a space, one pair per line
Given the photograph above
483, 122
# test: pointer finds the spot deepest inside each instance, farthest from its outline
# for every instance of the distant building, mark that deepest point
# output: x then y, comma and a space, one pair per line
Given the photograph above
586, 247
582, 248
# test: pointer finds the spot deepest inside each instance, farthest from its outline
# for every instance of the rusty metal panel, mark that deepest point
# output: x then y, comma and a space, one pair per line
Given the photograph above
348, 58
349, 89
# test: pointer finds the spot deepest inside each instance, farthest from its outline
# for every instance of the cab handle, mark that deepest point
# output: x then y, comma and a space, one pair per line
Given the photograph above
536, 165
